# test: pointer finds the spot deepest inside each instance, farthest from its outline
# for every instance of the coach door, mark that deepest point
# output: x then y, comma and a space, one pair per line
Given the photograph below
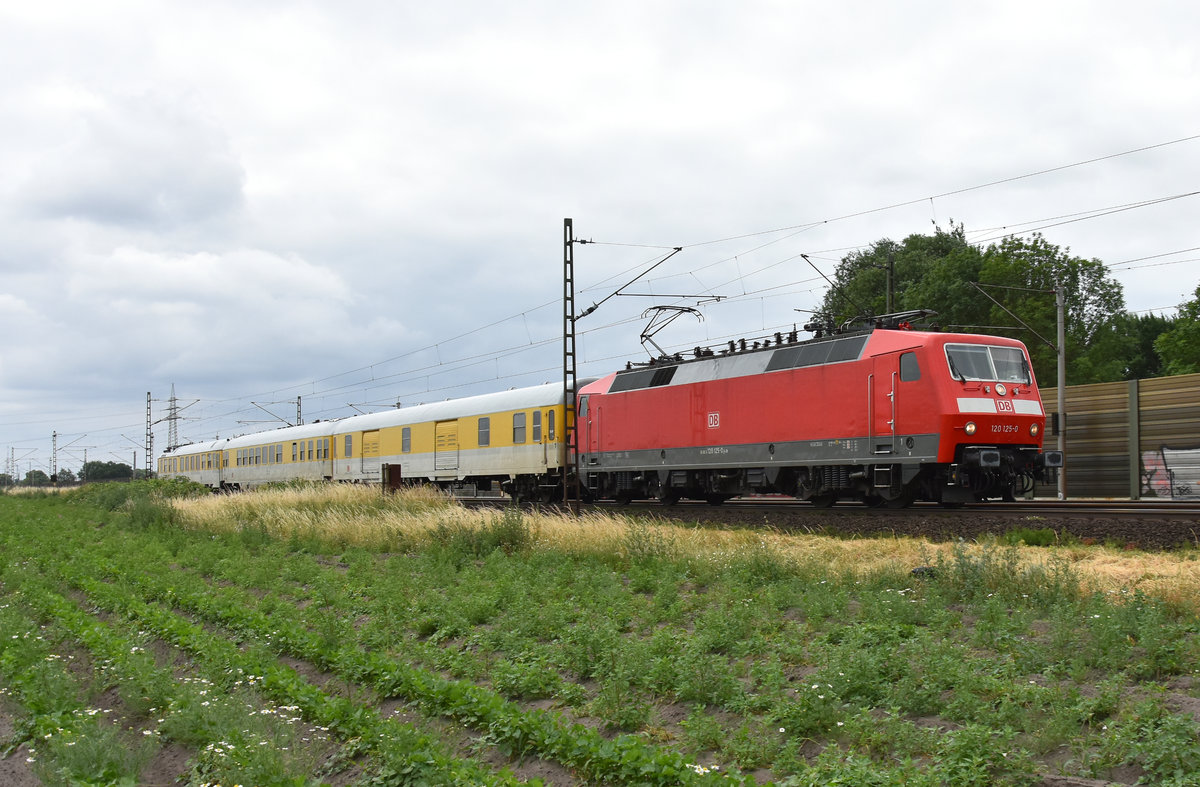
445, 446
370, 453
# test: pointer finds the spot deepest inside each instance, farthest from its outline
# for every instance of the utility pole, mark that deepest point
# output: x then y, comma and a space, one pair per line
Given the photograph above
891, 282
1060, 304
150, 432
172, 420
570, 483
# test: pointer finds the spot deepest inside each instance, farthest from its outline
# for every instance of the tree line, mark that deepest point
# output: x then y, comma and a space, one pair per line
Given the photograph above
91, 471
946, 274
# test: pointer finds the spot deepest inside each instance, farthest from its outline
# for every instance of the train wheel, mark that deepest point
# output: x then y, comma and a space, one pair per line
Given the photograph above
716, 500
668, 497
623, 498
824, 500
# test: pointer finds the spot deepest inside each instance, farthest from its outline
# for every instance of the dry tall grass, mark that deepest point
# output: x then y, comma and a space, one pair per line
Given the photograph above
343, 516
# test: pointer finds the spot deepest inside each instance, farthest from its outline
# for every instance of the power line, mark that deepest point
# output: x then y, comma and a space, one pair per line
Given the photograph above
952, 193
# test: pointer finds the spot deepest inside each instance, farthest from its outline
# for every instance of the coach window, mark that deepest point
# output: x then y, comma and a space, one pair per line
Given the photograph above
910, 370
485, 431
550, 425
293, 452
518, 428
537, 426
310, 450
406, 439
349, 446
279, 454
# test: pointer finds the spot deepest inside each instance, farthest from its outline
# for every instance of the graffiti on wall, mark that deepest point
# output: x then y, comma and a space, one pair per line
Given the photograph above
1172, 473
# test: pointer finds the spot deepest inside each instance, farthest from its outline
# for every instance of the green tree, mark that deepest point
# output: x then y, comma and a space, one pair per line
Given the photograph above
106, 471
938, 272
1143, 330
7, 480
929, 272
1096, 350
36, 478
1179, 347
66, 477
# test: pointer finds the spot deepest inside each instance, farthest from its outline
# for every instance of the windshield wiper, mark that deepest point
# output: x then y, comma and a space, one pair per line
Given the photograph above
954, 372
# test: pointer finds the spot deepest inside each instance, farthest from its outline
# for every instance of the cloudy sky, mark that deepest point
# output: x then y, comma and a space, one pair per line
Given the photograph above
359, 203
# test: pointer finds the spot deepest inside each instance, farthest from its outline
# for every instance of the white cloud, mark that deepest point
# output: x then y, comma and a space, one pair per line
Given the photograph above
139, 163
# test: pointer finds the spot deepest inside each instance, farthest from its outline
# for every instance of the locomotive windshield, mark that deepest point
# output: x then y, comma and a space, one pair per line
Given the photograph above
988, 363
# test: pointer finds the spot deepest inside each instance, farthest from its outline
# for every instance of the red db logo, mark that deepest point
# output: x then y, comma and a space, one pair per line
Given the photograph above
714, 420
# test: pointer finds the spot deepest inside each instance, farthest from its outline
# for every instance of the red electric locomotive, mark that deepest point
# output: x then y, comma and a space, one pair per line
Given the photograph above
884, 414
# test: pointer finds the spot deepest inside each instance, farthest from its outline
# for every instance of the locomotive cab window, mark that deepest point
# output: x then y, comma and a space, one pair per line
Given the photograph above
910, 370
986, 363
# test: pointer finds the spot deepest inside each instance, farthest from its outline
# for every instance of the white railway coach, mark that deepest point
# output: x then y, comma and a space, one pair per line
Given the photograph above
512, 439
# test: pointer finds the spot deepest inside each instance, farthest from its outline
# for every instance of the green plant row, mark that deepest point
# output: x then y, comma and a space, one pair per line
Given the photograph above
221, 719
66, 740
409, 757
624, 759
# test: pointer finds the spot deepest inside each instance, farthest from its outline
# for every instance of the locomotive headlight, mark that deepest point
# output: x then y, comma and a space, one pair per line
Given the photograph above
1000, 389
970, 427
1034, 429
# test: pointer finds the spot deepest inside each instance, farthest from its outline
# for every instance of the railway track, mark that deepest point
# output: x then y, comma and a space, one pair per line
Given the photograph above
1140, 524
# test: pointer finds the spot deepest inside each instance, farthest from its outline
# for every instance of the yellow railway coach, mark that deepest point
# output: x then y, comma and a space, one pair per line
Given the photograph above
511, 439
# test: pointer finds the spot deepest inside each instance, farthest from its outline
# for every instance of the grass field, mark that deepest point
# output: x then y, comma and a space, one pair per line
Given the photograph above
334, 635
